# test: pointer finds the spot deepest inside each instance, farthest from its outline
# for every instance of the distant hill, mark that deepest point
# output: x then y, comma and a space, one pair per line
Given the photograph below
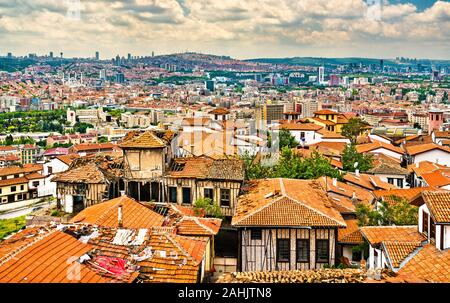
316, 61
13, 64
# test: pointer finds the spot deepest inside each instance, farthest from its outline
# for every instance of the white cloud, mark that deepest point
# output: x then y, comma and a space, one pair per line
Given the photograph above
239, 28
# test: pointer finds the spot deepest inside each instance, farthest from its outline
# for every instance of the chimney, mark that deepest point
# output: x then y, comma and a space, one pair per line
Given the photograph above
120, 216
334, 182
357, 172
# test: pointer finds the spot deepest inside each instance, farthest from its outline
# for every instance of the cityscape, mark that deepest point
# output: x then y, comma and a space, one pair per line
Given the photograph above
179, 161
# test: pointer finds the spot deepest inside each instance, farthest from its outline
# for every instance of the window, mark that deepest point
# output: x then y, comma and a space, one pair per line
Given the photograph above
173, 194
302, 250
225, 197
424, 222
209, 193
302, 135
0, 190
35, 183
13, 188
50, 170
256, 234
283, 250
390, 180
322, 251
432, 229
186, 195
22, 187
400, 183
16, 176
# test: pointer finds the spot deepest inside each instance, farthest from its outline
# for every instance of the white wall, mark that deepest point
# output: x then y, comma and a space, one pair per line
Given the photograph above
435, 156
386, 152
384, 177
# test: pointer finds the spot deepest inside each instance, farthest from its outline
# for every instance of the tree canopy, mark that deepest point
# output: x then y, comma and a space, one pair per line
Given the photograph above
353, 129
398, 213
350, 156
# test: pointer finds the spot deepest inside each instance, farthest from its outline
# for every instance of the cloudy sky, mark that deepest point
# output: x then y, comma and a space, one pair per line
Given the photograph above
238, 28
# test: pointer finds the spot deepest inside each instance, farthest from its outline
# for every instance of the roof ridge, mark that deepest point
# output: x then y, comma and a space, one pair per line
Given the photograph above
196, 220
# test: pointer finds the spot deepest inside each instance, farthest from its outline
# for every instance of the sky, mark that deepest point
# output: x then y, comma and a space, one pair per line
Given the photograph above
237, 28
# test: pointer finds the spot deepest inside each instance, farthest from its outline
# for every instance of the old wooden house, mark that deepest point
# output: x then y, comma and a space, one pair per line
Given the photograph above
202, 177
146, 158
88, 181
152, 174
286, 224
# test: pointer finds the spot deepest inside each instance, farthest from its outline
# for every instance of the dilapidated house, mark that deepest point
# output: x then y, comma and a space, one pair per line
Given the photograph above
88, 181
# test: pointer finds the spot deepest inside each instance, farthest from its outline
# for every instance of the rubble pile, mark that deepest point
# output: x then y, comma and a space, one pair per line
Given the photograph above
348, 275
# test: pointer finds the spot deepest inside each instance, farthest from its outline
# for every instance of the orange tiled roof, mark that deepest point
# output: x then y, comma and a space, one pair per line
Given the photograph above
421, 148
88, 173
347, 190
269, 202
351, 234
364, 148
145, 140
369, 182
438, 202
170, 262
67, 159
208, 168
13, 181
429, 264
49, 260
325, 112
219, 111
198, 226
377, 234
437, 178
105, 214
398, 251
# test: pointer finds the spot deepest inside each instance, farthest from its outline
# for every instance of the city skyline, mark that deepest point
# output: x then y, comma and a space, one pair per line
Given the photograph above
357, 28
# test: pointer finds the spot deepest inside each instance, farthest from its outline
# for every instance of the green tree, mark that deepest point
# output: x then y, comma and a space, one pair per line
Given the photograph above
350, 156
291, 165
81, 127
254, 169
353, 129
286, 139
208, 207
398, 213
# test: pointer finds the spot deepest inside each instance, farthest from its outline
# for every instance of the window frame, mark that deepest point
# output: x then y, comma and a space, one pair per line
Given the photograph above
279, 250
228, 192
171, 190
256, 234
327, 241
207, 189
302, 260
183, 195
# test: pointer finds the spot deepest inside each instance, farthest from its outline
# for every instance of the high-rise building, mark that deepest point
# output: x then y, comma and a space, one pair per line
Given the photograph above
103, 74
97, 56
321, 75
51, 55
335, 80
129, 57
210, 85
61, 54
9, 55
117, 60
120, 78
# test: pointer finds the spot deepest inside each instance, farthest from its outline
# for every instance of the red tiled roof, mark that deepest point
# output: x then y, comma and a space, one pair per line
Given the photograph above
105, 214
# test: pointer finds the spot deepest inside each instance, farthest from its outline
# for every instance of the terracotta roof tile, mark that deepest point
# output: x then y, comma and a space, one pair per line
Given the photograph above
377, 234
421, 148
438, 203
429, 264
351, 234
398, 251
105, 214
146, 140
269, 201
